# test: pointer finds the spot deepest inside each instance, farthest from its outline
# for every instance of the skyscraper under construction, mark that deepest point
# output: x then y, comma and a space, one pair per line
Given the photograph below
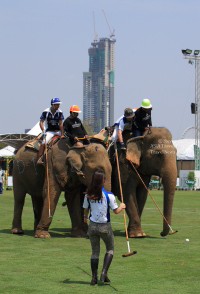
98, 85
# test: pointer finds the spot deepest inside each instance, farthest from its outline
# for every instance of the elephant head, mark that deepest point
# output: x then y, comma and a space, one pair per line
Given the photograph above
80, 164
155, 154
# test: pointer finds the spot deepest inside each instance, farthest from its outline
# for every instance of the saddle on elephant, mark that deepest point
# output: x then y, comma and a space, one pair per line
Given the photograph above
36, 142
103, 136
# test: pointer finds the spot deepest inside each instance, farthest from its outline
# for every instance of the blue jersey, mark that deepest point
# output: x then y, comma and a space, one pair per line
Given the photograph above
52, 120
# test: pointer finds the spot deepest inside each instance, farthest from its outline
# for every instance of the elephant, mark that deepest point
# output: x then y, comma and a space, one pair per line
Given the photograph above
69, 169
152, 154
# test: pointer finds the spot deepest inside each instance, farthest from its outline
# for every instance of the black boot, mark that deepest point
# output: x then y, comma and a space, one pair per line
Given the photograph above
107, 261
94, 267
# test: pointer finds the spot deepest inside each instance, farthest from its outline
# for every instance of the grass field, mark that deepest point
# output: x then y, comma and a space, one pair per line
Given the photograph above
61, 264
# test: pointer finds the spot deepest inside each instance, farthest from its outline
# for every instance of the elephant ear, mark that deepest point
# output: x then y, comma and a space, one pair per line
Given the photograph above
134, 149
75, 160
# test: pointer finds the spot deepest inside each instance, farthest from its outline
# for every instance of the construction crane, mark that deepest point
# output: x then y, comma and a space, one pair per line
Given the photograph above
111, 32
95, 36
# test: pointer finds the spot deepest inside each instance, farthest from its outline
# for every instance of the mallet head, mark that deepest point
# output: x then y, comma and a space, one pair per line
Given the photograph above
173, 232
129, 254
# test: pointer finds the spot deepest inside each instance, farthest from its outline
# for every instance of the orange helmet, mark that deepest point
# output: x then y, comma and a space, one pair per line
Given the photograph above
75, 108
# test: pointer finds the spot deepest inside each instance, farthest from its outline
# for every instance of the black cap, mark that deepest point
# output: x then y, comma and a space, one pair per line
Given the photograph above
128, 112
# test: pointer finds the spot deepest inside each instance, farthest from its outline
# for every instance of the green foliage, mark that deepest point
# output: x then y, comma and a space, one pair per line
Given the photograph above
61, 264
89, 125
2, 145
191, 175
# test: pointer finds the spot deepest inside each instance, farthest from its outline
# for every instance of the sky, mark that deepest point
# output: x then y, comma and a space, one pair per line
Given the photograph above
44, 52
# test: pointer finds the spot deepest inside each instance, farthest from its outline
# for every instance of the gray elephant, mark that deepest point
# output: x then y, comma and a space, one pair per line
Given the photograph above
68, 170
152, 154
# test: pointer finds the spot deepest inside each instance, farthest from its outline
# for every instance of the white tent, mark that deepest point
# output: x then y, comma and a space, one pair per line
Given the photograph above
7, 151
35, 130
185, 149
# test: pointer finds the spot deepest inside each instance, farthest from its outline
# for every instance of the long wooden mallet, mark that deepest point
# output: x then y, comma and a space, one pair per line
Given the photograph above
47, 175
122, 199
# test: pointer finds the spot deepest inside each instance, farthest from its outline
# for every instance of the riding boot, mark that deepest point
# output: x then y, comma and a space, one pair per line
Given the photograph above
107, 261
40, 153
94, 267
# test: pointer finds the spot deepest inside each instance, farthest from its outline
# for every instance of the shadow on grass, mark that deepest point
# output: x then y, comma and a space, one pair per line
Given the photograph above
68, 281
123, 234
100, 284
60, 232
26, 232
54, 232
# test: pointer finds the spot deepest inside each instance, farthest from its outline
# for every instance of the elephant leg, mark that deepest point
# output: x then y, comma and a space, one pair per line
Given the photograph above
19, 197
74, 204
133, 212
141, 199
46, 219
37, 209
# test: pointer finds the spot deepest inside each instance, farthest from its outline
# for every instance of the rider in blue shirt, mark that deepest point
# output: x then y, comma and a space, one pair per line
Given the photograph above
51, 124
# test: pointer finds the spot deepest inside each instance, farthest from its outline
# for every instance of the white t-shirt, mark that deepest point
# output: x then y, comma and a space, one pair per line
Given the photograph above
99, 210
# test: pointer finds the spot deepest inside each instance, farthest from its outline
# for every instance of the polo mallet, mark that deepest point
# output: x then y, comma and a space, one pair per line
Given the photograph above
85, 138
172, 231
47, 175
122, 199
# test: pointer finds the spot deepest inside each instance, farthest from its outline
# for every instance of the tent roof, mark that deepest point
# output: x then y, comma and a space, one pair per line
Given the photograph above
35, 130
18, 140
185, 149
7, 151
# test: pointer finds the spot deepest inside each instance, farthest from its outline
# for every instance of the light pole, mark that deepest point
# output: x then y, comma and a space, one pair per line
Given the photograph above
195, 106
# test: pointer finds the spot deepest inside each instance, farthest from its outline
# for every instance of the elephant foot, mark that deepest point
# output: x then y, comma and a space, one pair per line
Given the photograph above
78, 233
18, 231
42, 234
137, 234
163, 234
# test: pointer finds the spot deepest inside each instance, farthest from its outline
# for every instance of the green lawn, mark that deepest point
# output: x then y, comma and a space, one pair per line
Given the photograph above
61, 264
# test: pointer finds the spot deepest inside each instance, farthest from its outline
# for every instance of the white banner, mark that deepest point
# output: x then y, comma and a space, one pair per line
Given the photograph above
10, 181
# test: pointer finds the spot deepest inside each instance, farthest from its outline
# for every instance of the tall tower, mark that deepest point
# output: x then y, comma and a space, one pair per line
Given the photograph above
195, 58
98, 85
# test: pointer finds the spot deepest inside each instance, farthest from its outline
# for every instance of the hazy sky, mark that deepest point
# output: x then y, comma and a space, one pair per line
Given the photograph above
44, 52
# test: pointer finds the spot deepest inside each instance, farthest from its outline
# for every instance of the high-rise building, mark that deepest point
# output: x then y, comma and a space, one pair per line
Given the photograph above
98, 85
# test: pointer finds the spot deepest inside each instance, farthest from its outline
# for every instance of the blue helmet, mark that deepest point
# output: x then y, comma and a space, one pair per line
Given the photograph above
55, 101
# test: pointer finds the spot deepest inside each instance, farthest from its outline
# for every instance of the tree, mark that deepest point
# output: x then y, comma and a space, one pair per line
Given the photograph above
89, 125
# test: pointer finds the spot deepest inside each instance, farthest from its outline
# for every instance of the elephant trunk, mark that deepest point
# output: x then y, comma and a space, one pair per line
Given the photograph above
107, 184
169, 184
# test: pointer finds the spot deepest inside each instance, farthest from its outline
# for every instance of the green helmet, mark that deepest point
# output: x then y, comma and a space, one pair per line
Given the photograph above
146, 103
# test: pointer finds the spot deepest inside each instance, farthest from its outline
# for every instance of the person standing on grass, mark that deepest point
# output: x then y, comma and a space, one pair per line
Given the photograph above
99, 201
1, 180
